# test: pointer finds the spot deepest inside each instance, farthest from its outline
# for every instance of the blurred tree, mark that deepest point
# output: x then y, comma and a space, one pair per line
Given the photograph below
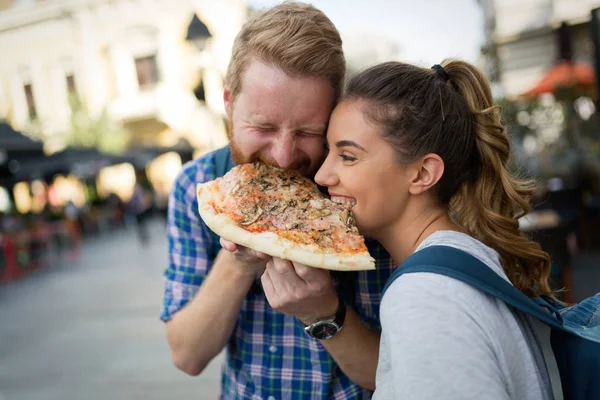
556, 135
101, 132
83, 130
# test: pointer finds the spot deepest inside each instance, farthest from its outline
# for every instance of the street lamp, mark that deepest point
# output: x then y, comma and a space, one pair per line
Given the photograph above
198, 33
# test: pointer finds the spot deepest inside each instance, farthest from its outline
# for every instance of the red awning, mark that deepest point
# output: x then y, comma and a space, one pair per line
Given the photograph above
564, 74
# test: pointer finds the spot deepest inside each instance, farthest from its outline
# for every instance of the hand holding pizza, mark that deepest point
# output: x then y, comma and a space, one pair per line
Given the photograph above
254, 260
301, 291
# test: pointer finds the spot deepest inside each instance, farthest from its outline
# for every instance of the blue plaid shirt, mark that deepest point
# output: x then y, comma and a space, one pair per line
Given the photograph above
269, 355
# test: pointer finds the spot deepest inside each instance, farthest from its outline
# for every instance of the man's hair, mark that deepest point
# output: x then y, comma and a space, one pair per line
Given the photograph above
294, 37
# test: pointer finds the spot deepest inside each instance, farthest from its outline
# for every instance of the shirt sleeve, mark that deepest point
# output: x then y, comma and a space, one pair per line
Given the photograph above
436, 343
188, 243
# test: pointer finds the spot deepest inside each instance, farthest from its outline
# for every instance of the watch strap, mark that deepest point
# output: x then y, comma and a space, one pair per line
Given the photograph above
337, 320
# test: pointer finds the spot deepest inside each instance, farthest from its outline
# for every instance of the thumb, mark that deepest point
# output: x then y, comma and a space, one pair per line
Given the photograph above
227, 245
260, 255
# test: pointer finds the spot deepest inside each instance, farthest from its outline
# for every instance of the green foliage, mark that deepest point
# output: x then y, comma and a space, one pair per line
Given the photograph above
552, 139
101, 132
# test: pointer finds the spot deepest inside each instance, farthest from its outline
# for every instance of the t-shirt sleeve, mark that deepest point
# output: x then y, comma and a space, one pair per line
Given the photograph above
436, 342
188, 243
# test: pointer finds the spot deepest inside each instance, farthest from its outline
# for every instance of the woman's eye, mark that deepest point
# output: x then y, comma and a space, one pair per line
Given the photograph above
347, 158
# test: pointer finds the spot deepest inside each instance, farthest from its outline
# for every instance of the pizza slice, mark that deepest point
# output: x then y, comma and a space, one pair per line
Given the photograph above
283, 214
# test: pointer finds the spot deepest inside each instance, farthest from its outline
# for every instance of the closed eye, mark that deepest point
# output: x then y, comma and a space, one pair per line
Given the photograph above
347, 158
310, 134
265, 128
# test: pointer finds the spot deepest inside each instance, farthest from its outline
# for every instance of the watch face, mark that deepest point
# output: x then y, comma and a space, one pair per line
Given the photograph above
324, 330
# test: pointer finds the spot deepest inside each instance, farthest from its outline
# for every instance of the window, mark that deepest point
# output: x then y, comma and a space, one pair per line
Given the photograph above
71, 89
147, 71
30, 100
199, 91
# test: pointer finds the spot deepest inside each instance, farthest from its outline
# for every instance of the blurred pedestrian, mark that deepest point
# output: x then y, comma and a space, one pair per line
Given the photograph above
141, 206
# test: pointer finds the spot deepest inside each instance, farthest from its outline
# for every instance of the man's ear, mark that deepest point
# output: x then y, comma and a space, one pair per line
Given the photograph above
426, 173
227, 98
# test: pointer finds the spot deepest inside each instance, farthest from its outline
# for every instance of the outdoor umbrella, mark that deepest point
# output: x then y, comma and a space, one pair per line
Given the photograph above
564, 74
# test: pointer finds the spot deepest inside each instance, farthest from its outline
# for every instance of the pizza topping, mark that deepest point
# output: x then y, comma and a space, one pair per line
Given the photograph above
260, 167
344, 216
277, 207
252, 216
347, 219
344, 201
267, 182
295, 225
324, 235
295, 179
318, 204
234, 189
351, 225
314, 214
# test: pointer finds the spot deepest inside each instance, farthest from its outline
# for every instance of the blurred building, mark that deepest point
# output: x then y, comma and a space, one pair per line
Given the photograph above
154, 66
524, 38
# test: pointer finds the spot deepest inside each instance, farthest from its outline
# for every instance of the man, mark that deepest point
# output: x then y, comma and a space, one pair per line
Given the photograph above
283, 81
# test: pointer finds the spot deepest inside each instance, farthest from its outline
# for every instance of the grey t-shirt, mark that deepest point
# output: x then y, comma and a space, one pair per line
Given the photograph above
443, 339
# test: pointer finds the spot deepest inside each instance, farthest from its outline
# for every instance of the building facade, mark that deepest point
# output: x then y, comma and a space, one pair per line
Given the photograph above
524, 38
156, 67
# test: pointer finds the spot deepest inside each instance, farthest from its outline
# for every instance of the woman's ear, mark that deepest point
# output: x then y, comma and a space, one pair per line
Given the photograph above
426, 173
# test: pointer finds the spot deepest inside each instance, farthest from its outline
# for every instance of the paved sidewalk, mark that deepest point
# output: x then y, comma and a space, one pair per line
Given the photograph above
90, 330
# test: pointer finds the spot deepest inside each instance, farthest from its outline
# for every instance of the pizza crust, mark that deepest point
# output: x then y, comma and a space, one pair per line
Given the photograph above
275, 246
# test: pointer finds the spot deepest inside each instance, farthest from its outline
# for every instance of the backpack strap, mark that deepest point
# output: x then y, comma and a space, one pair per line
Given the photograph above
223, 161
457, 264
222, 164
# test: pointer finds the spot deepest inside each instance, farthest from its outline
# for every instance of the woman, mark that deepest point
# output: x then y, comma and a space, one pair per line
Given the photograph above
423, 155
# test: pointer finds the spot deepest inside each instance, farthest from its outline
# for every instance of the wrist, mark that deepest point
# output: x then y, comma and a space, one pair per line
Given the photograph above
327, 328
236, 269
328, 310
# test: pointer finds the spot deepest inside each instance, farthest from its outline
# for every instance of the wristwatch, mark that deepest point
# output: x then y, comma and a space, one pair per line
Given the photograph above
324, 329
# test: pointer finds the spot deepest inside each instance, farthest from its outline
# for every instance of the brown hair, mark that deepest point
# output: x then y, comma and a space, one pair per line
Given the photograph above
451, 114
295, 37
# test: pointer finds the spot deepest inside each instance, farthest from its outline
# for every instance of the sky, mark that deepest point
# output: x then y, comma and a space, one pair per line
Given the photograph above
427, 31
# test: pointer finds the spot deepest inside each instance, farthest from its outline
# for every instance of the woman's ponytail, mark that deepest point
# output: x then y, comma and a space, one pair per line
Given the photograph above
488, 207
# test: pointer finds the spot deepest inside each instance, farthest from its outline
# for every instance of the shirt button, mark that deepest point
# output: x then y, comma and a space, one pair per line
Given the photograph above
272, 349
270, 398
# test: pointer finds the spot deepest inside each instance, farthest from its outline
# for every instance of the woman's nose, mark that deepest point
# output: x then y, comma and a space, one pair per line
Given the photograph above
325, 175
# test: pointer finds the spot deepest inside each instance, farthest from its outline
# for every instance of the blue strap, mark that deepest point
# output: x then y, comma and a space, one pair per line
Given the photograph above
223, 164
223, 161
457, 264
